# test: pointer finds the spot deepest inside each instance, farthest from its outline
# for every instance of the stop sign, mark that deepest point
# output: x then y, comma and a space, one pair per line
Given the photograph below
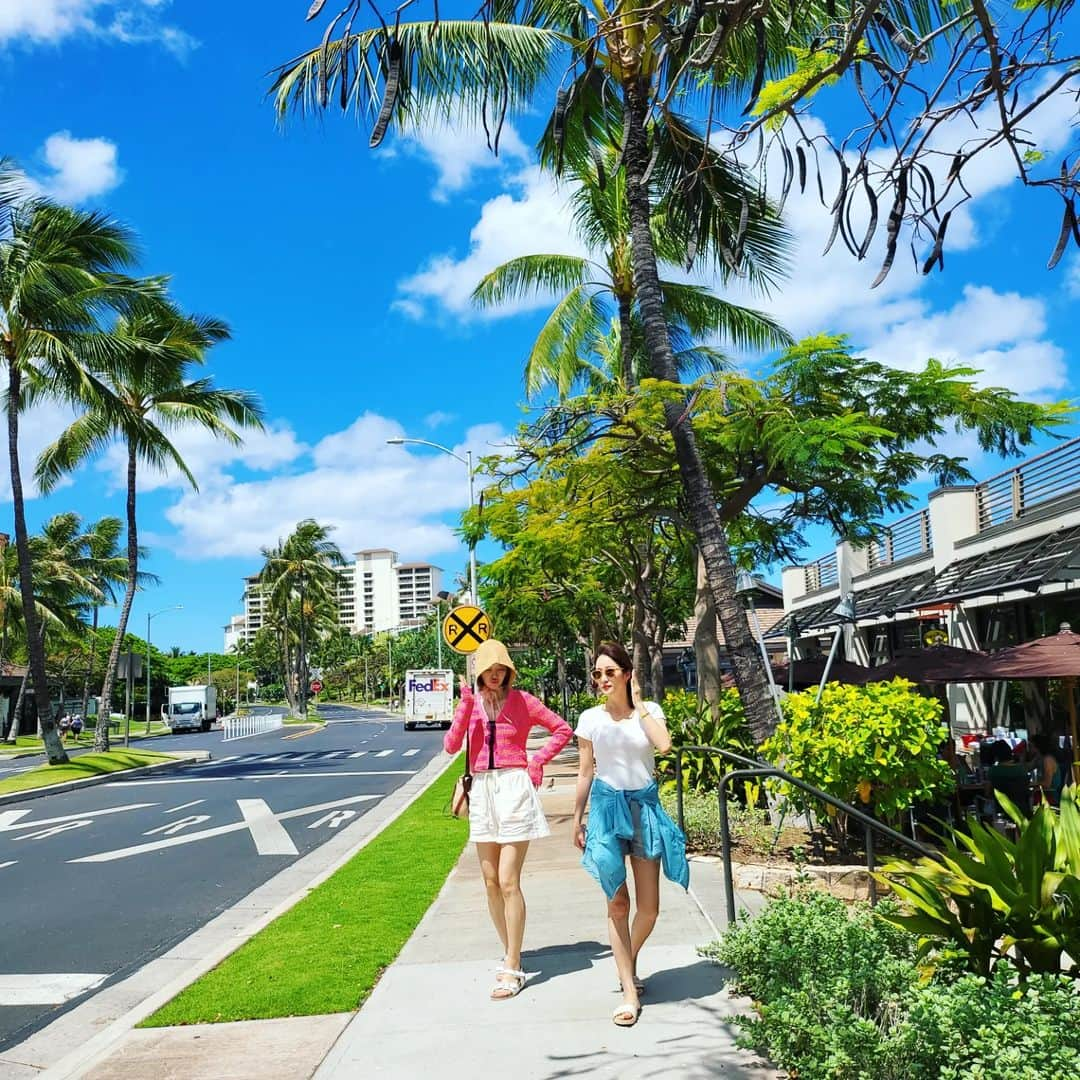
316, 687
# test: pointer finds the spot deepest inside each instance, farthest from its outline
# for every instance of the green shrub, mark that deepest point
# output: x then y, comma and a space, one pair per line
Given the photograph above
749, 828
874, 745
695, 723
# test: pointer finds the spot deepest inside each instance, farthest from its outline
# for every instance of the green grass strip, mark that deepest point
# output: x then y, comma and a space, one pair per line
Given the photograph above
80, 768
326, 954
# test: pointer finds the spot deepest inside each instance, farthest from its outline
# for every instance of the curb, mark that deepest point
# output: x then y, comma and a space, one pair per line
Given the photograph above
95, 1034
183, 757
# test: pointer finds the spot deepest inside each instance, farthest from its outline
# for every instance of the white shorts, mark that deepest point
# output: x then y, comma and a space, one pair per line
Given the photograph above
504, 808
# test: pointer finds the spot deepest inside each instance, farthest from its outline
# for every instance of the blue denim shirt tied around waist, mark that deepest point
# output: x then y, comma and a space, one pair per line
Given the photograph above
610, 822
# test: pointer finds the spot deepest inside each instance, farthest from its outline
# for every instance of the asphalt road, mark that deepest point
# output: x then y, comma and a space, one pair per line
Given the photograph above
164, 854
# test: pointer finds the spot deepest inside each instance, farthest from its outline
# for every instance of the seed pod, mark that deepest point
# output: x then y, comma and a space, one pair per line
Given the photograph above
598, 161
937, 254
896, 216
759, 70
313, 11
691, 253
1068, 228
785, 186
343, 74
955, 167
871, 198
740, 236
390, 95
800, 154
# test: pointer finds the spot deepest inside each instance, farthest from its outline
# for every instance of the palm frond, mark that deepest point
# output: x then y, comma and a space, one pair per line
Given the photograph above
528, 276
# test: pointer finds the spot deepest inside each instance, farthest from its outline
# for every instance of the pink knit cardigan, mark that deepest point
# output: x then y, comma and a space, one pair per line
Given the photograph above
520, 713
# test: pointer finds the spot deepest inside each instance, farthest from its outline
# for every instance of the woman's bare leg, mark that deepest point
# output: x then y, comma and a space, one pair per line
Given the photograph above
618, 912
489, 867
646, 904
511, 859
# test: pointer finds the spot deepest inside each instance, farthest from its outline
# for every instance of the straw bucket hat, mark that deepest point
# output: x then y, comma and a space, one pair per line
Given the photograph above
493, 652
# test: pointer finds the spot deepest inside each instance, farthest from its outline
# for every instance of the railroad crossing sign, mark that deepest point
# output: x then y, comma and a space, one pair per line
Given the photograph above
316, 687
466, 628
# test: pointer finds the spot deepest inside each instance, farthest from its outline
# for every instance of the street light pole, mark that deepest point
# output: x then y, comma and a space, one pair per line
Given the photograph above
149, 616
467, 461
303, 653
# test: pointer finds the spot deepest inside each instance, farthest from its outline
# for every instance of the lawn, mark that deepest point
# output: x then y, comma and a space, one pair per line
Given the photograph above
80, 768
325, 954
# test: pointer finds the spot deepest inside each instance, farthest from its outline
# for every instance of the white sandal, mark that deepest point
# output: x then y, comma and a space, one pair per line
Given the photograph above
626, 1015
504, 989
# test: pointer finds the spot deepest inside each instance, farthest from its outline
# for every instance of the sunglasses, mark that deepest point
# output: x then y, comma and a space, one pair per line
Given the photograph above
607, 673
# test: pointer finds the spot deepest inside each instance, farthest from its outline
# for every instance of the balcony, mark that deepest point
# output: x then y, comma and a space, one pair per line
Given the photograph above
1011, 494
903, 539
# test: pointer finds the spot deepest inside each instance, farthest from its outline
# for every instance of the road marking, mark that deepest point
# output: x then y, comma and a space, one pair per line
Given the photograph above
52, 830
215, 761
273, 776
45, 989
270, 836
220, 830
333, 819
10, 862
306, 731
334, 754
383, 753
278, 757
359, 753
9, 817
409, 753
170, 828
308, 755
184, 806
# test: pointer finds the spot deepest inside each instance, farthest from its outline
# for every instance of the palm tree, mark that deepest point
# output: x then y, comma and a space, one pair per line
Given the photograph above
618, 58
601, 289
151, 381
60, 275
302, 566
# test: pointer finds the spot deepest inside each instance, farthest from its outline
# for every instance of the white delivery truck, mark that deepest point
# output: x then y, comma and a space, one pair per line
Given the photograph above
190, 708
429, 698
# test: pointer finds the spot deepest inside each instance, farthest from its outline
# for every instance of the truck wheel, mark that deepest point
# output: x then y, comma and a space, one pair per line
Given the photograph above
409, 725
446, 725
204, 727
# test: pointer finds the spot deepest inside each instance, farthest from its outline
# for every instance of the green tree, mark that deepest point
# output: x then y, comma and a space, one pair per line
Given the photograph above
152, 393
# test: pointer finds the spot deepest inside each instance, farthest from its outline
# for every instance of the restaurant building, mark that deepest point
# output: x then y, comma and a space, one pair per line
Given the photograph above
981, 566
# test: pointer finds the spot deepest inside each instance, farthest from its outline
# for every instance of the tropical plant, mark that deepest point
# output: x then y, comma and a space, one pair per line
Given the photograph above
874, 745
696, 723
151, 393
594, 330
61, 274
990, 897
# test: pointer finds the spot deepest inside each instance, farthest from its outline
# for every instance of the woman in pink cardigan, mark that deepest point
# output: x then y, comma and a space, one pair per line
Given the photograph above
504, 808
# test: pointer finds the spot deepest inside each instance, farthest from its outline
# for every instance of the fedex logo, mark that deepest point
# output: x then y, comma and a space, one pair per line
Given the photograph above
429, 687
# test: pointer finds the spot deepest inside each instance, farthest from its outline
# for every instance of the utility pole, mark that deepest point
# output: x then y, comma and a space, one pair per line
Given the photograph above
303, 687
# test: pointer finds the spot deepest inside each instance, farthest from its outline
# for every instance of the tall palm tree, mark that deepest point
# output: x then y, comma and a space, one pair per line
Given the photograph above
151, 380
61, 274
601, 288
616, 59
299, 582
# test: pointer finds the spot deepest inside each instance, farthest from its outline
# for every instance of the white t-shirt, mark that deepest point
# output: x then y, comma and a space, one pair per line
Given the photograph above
625, 757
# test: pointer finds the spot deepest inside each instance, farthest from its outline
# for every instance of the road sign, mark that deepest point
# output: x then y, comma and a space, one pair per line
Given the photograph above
466, 628
316, 687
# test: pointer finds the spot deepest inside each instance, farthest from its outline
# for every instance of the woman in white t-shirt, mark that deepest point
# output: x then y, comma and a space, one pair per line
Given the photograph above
617, 742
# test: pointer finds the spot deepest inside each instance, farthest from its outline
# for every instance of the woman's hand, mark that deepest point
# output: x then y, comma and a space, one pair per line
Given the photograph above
578, 833
464, 683
635, 688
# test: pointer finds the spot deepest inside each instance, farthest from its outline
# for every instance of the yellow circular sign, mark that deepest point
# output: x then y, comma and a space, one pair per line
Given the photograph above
466, 628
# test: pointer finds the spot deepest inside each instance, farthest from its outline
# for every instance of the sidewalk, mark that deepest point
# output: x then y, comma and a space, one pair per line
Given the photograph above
430, 1015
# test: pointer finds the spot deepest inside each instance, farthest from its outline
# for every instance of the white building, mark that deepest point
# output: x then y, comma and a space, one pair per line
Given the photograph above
982, 566
234, 632
374, 593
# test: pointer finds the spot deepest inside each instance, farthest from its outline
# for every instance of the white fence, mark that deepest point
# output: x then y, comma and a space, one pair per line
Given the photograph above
240, 727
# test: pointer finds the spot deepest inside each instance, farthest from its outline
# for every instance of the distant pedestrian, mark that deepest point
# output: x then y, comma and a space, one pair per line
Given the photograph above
504, 807
617, 742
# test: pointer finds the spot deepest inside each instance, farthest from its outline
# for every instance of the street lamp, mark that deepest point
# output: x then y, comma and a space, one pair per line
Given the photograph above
467, 461
744, 587
153, 615
845, 613
440, 596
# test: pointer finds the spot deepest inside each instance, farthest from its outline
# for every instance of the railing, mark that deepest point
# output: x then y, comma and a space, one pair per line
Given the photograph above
754, 769
241, 727
908, 536
822, 573
1046, 476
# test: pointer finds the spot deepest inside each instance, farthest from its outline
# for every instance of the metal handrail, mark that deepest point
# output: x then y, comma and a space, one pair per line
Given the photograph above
759, 768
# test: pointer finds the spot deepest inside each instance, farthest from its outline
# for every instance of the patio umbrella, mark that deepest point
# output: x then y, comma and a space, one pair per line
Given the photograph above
1056, 656
934, 664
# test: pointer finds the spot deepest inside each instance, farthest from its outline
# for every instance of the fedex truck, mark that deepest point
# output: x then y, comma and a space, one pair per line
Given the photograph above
190, 708
429, 698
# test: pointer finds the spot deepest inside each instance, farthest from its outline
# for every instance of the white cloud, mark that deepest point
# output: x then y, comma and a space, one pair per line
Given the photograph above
531, 217
458, 154
374, 494
1072, 276
438, 418
39, 425
47, 22
81, 168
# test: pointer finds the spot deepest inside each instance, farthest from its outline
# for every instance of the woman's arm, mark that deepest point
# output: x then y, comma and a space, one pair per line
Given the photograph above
453, 739
652, 719
561, 734
581, 795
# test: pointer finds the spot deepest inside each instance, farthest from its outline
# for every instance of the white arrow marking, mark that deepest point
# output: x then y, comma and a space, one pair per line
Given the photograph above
45, 989
173, 827
270, 836
220, 830
384, 753
333, 819
184, 806
8, 817
52, 830
409, 753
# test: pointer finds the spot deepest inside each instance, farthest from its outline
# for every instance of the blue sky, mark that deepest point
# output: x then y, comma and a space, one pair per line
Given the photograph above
345, 276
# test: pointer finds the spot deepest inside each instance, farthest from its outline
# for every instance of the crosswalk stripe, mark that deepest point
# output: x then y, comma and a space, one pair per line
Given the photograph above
359, 753
409, 753
384, 753
10, 862
45, 989
214, 761
270, 836
334, 754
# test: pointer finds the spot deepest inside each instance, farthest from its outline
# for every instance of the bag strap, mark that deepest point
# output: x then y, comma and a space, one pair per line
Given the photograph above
468, 756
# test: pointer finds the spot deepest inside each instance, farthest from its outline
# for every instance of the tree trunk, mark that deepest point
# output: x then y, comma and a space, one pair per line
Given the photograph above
101, 730
705, 518
34, 644
626, 344
90, 667
706, 642
639, 646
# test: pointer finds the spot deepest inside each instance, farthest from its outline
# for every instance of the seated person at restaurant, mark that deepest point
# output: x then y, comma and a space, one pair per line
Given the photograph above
1009, 776
1051, 771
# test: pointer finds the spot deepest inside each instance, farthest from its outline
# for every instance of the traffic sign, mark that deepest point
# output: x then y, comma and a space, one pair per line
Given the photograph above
466, 628
316, 687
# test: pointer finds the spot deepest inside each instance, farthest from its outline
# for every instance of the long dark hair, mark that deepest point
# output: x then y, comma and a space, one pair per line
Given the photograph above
614, 651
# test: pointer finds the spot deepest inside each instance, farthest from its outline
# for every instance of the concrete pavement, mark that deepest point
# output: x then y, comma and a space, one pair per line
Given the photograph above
430, 1015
